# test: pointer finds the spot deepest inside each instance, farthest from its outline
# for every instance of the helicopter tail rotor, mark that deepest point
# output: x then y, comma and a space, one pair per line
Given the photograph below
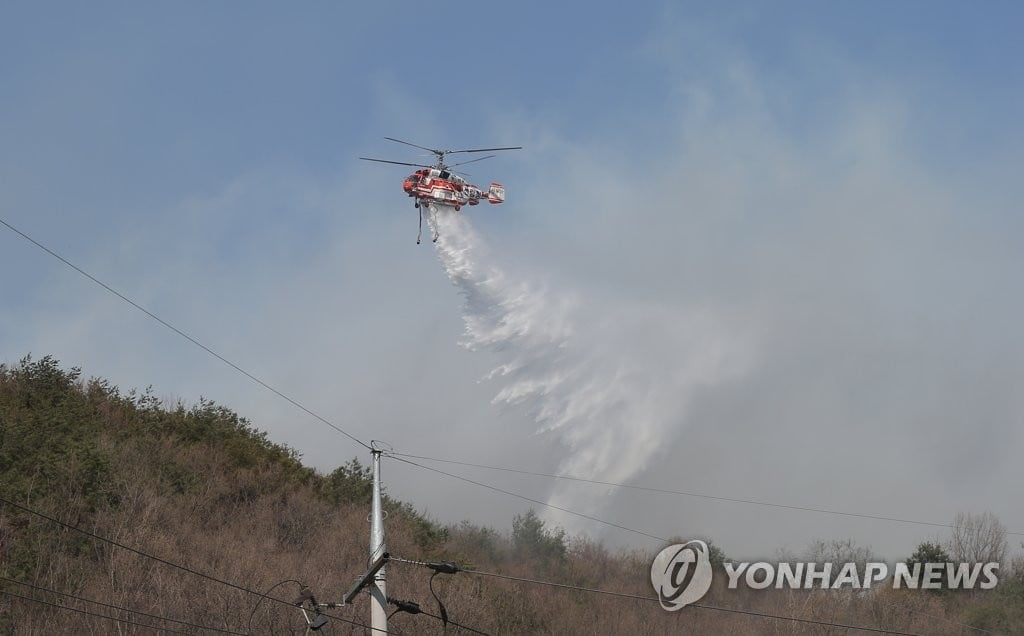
496, 193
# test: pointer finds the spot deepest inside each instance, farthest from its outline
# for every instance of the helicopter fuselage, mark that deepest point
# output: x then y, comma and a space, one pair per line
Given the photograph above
442, 187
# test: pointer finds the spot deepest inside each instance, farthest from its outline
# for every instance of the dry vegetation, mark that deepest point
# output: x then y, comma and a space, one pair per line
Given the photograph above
201, 488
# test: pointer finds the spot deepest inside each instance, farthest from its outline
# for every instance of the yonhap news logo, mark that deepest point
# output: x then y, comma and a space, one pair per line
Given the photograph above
681, 574
853, 576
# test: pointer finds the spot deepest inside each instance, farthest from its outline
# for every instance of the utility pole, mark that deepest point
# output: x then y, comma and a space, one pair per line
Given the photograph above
374, 577
378, 589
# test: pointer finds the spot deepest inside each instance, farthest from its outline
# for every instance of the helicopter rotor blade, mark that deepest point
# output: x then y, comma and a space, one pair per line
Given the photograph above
449, 152
462, 163
400, 163
436, 152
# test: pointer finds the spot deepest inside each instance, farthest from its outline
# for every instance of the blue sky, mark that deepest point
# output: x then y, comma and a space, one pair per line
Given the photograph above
834, 185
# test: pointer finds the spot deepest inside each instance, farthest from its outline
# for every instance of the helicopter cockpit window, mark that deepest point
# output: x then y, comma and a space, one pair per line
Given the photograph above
445, 174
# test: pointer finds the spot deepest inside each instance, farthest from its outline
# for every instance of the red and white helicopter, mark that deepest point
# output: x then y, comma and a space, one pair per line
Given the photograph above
438, 186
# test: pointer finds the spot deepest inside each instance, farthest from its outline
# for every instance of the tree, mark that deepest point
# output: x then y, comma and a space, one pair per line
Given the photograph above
977, 538
929, 552
839, 551
531, 539
716, 555
351, 483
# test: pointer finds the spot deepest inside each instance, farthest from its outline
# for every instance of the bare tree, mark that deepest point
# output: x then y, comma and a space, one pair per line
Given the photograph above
977, 538
839, 551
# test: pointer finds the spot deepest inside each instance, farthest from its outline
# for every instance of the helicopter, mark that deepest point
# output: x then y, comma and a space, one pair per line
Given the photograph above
438, 186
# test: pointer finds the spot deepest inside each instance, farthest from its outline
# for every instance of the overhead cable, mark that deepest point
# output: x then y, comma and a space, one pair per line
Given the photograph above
639, 597
186, 336
532, 500
177, 566
88, 613
683, 493
123, 609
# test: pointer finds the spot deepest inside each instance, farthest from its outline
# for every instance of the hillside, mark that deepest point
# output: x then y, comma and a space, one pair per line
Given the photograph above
201, 489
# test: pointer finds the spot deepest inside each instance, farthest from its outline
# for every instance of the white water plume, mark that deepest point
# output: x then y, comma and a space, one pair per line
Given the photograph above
614, 390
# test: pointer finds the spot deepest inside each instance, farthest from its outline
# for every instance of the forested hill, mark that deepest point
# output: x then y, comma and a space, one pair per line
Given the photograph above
199, 487
122, 514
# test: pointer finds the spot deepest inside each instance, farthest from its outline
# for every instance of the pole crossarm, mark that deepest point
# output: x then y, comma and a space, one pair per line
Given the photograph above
365, 579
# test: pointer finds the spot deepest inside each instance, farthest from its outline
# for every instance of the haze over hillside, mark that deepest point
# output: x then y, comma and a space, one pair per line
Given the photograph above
125, 513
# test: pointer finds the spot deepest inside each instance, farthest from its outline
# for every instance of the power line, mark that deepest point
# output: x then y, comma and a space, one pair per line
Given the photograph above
213, 353
88, 613
131, 549
700, 605
684, 493
164, 561
731, 610
399, 456
410, 607
532, 500
451, 622
470, 464
950, 621
123, 609
260, 600
184, 335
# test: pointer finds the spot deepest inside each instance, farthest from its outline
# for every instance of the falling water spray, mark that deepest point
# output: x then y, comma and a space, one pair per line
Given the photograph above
615, 391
